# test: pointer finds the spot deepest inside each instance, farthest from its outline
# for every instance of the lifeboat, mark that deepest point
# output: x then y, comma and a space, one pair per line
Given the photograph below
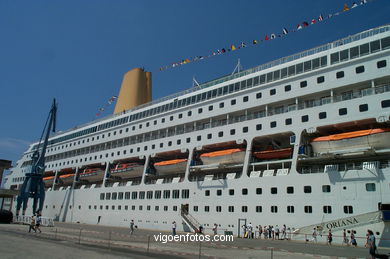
92, 175
356, 140
48, 181
274, 154
226, 156
67, 178
174, 166
128, 170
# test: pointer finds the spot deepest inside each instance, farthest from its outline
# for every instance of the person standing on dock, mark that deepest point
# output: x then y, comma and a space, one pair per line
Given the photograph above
371, 243
131, 226
32, 224
330, 237
174, 228
38, 223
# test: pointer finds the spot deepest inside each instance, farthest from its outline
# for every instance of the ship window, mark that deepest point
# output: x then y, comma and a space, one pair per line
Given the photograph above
127, 195
231, 208
303, 84
243, 84
385, 103
283, 72
175, 194
381, 64
188, 140
200, 110
244, 208
273, 124
344, 55
165, 208
258, 95
195, 208
167, 194
199, 138
307, 189
385, 42
141, 195
233, 102
221, 105
169, 143
299, 68
102, 196
206, 208
220, 134
290, 209
375, 46
320, 79
148, 207
258, 126
134, 195
218, 208
157, 194
370, 187
211, 108
343, 111
255, 81
108, 196
249, 82
185, 193
272, 92
334, 58
259, 191
178, 141
354, 52
291, 70
156, 208
308, 209
364, 49
288, 121
114, 196
340, 74
207, 193
232, 132
274, 209
325, 188
237, 87
276, 74
348, 209
274, 190
316, 63
324, 61
231, 192
245, 99
259, 209
287, 88
262, 79
149, 195
269, 77
189, 113
322, 115
245, 129
219, 192
209, 136
327, 209
290, 189
359, 69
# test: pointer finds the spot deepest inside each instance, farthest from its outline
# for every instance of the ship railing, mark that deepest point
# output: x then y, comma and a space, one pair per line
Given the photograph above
342, 167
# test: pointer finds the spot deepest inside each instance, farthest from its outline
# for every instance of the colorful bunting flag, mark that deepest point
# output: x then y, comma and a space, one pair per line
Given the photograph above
255, 42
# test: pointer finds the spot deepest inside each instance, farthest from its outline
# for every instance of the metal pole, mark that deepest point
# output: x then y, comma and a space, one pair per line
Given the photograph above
80, 235
200, 249
148, 244
109, 240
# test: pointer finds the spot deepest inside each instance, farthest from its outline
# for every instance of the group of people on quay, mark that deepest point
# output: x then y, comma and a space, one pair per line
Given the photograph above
266, 232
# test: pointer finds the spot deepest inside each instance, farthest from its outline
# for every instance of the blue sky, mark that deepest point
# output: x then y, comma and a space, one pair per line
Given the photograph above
78, 51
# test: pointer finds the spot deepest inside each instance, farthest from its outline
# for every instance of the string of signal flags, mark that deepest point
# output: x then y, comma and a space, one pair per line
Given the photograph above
267, 37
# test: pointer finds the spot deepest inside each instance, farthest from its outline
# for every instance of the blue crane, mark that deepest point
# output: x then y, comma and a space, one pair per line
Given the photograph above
33, 185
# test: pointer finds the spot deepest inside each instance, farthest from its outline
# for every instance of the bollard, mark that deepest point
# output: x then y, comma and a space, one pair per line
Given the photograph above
148, 244
200, 249
80, 235
109, 240
272, 253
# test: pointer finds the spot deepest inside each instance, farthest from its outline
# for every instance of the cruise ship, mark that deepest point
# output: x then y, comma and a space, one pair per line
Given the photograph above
303, 141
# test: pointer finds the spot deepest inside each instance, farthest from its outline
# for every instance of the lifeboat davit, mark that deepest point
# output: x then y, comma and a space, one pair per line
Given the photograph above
226, 156
282, 153
67, 178
128, 170
92, 175
48, 181
168, 167
362, 139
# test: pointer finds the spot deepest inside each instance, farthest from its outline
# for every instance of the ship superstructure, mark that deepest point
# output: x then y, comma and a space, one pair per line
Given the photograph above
281, 143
